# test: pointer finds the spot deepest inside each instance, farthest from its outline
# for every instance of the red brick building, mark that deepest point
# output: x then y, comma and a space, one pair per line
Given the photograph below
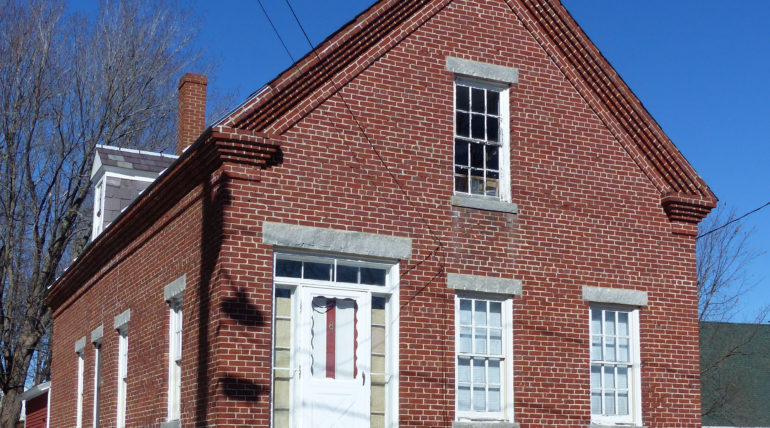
456, 215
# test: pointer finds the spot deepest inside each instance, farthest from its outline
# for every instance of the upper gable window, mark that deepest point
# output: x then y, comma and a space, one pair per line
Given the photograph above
481, 139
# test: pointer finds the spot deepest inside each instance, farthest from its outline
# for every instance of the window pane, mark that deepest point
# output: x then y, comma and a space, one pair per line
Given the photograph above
495, 341
623, 403
480, 315
465, 312
477, 155
464, 370
495, 314
596, 322
622, 324
480, 342
609, 323
492, 184
609, 377
462, 124
461, 152
622, 377
479, 371
477, 182
372, 276
609, 403
609, 349
596, 376
320, 271
494, 399
493, 102
493, 159
478, 100
596, 403
623, 350
494, 372
465, 340
464, 397
596, 348
477, 126
461, 180
288, 268
347, 274
479, 398
463, 97
493, 129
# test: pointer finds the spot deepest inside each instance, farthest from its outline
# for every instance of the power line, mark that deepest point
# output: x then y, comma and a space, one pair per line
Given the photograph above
733, 221
275, 30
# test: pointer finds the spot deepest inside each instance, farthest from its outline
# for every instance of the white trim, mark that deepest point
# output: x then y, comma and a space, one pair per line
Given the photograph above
507, 413
97, 381
174, 393
634, 416
122, 378
389, 291
504, 156
81, 373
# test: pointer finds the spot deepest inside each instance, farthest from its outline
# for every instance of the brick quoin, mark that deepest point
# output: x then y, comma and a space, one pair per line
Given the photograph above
597, 206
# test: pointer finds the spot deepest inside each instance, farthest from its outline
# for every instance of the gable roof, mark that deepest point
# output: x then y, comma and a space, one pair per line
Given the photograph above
111, 157
684, 194
735, 379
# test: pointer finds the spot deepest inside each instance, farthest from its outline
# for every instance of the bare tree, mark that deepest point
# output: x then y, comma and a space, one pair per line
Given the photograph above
68, 83
724, 253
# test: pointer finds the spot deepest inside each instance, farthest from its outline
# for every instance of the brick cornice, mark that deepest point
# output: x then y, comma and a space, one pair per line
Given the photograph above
216, 146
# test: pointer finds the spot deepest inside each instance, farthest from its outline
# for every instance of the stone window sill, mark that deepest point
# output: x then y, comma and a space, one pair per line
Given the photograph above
484, 203
615, 426
176, 423
484, 424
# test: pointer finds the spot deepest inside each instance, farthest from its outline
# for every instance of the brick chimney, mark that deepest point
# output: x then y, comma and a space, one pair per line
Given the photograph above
191, 110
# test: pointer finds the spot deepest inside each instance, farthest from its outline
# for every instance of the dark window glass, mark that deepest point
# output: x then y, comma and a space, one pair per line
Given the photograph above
378, 302
477, 126
289, 268
320, 271
461, 179
478, 100
372, 276
477, 155
463, 98
493, 161
493, 102
463, 127
493, 129
347, 274
282, 292
461, 152
477, 181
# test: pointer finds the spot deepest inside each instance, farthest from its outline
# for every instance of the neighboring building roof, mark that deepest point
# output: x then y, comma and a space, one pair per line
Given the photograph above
735, 374
115, 158
36, 391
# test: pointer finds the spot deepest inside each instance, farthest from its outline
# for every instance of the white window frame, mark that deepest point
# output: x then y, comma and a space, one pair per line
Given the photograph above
389, 291
175, 359
97, 381
634, 416
81, 381
98, 222
122, 377
504, 155
506, 413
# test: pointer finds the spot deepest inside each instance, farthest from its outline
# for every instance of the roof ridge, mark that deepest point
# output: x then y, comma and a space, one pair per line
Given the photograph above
137, 151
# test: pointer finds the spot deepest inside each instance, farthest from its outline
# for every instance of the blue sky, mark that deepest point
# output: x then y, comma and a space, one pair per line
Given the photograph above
701, 68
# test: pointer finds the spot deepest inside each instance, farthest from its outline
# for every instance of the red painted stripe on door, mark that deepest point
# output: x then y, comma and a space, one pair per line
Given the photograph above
331, 327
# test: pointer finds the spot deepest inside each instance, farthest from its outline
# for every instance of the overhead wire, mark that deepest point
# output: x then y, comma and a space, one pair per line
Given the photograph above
733, 221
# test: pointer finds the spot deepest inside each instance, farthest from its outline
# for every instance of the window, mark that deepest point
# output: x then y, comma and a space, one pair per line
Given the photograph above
175, 359
97, 380
81, 370
481, 139
484, 366
615, 384
122, 376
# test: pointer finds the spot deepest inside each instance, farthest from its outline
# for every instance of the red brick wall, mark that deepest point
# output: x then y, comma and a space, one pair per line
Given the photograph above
588, 216
37, 412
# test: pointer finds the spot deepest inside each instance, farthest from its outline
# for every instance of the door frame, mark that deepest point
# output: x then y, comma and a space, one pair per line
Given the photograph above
390, 291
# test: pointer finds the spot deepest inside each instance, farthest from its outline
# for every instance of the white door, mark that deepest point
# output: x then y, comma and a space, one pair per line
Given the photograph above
335, 357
